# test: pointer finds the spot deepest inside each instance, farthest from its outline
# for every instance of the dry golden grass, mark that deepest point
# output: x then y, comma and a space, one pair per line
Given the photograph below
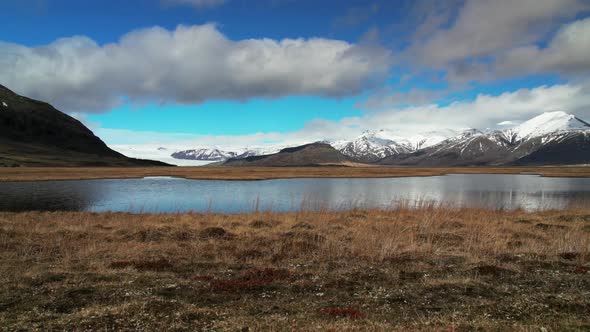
262, 173
426, 269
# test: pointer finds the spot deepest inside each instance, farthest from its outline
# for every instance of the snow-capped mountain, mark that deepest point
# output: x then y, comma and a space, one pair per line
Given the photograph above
373, 146
156, 152
184, 155
546, 123
218, 154
368, 147
426, 139
550, 138
466, 147
204, 154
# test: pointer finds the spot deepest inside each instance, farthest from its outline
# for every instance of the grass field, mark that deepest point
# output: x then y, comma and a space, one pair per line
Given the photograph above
427, 269
262, 173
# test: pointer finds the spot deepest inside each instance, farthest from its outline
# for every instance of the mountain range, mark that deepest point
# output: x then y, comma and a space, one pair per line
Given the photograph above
547, 139
215, 154
373, 146
33, 133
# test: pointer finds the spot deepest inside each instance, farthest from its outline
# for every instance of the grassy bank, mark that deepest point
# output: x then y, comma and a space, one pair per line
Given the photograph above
262, 173
428, 269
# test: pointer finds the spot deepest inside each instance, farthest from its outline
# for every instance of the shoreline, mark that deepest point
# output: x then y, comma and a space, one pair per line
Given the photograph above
19, 174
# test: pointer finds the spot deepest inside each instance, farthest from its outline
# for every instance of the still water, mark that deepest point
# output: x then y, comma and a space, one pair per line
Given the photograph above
165, 194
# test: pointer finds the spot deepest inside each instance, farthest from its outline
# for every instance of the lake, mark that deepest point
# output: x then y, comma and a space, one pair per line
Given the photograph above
166, 194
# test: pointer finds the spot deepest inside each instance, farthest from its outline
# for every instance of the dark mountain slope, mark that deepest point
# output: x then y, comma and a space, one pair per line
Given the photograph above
34, 133
469, 149
305, 155
552, 138
568, 149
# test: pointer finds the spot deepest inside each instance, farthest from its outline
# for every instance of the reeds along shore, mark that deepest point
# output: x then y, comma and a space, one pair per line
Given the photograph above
404, 269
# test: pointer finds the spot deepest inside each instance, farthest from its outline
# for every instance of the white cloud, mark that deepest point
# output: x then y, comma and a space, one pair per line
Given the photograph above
188, 65
507, 123
491, 40
430, 16
565, 54
485, 111
484, 27
568, 52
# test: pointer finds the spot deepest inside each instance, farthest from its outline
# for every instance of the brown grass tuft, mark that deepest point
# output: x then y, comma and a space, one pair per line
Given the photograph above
147, 265
215, 233
348, 312
249, 280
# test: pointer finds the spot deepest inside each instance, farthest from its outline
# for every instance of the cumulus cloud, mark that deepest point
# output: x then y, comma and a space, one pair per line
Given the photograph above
190, 64
565, 54
568, 52
485, 27
481, 40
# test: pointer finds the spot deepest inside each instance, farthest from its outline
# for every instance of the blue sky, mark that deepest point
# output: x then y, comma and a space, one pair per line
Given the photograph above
42, 21
301, 69
228, 118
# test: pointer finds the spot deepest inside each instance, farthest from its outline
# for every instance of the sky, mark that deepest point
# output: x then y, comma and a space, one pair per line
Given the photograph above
197, 73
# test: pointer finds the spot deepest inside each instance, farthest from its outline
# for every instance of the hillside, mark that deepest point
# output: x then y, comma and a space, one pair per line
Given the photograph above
34, 133
568, 149
313, 154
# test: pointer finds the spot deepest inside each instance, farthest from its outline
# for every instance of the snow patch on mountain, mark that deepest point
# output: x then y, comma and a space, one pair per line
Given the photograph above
204, 154
223, 153
547, 123
427, 139
371, 146
375, 145
506, 123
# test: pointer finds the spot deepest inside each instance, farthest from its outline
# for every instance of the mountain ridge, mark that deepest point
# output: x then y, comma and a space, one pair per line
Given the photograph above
313, 154
546, 134
550, 132
34, 133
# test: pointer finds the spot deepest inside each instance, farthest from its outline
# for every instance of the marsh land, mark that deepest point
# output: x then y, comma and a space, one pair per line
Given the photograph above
265, 173
404, 269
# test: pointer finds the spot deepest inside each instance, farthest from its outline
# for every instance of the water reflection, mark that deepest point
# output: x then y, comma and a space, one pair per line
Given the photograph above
179, 195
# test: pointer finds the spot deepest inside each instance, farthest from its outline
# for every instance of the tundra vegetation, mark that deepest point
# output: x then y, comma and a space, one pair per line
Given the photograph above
425, 268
